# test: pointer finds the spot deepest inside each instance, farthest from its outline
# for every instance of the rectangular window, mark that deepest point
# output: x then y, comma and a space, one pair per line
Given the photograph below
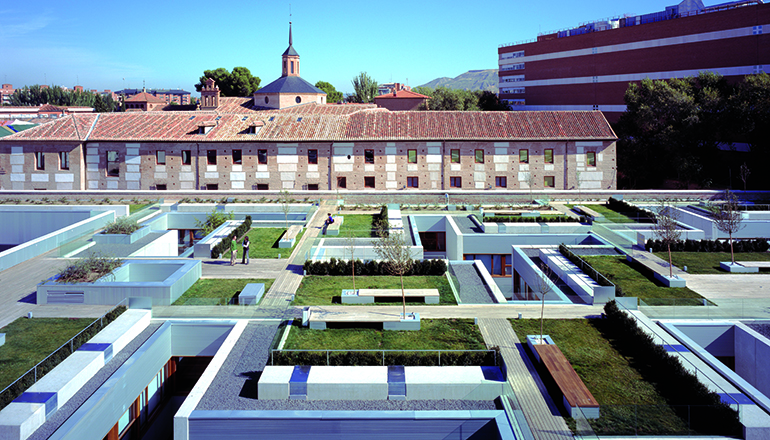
411, 156
39, 160
312, 157
456, 182
237, 157
412, 182
591, 159
479, 156
262, 157
312, 187
342, 182
160, 157
548, 182
548, 155
113, 166
161, 186
186, 157
368, 182
455, 156
368, 156
524, 156
64, 160
211, 157
212, 186
501, 181
262, 187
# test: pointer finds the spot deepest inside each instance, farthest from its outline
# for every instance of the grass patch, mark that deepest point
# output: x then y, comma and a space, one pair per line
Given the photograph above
325, 290
434, 334
635, 283
610, 376
358, 225
264, 243
132, 208
701, 263
217, 291
615, 216
29, 341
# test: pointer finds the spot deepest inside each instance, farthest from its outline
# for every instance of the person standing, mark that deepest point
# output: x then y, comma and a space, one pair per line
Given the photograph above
245, 250
233, 251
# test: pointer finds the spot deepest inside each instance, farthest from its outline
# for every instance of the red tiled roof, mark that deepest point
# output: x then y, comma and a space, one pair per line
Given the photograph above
48, 108
369, 124
145, 97
401, 94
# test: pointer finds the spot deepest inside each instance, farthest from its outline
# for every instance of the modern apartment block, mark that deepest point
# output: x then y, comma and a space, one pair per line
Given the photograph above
589, 67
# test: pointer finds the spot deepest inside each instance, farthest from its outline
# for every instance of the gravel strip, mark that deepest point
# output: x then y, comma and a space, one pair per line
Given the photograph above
236, 382
471, 289
65, 412
371, 405
762, 329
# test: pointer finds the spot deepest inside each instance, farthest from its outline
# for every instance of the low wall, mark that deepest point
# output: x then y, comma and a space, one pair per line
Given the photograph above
530, 274
497, 294
121, 238
582, 284
51, 241
167, 245
204, 246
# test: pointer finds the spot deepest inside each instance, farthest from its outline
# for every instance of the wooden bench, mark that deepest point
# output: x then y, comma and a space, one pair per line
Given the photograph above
290, 237
368, 296
574, 392
334, 228
588, 211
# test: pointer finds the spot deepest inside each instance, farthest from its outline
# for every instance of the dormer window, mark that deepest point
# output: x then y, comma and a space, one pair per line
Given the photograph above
254, 127
205, 127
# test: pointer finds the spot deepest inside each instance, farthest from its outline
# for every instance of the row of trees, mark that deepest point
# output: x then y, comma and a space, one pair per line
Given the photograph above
672, 129
55, 95
239, 82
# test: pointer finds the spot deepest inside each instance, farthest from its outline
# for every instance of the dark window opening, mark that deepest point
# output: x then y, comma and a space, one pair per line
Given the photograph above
456, 182
161, 186
186, 157
212, 187
237, 157
113, 166
312, 187
369, 156
160, 157
455, 156
211, 157
262, 156
263, 187
413, 182
342, 182
312, 157
368, 182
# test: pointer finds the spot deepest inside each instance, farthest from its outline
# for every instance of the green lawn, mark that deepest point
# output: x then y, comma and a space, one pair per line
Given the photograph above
611, 377
434, 334
615, 216
264, 243
633, 282
358, 225
217, 291
29, 341
132, 208
708, 262
325, 290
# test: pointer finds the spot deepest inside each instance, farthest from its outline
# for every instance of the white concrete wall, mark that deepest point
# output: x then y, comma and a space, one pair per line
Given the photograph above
167, 245
752, 357
20, 226
454, 240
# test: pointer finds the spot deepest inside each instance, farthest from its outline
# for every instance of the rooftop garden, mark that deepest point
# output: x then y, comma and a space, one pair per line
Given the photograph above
264, 243
220, 291
326, 290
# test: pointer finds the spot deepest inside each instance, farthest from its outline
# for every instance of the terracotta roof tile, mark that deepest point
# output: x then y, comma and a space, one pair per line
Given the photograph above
401, 94
322, 124
145, 97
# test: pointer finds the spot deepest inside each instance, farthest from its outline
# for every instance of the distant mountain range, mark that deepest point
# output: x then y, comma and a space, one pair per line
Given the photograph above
470, 80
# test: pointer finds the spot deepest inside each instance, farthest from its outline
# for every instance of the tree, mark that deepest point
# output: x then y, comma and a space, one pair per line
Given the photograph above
364, 87
239, 82
332, 95
666, 228
542, 284
728, 218
443, 98
745, 173
36, 95
213, 220
350, 249
396, 255
285, 199
489, 101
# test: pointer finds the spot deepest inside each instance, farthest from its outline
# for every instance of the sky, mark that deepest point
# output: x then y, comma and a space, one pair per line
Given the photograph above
168, 44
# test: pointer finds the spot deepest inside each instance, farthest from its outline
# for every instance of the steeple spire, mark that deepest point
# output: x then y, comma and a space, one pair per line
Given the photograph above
290, 59
290, 34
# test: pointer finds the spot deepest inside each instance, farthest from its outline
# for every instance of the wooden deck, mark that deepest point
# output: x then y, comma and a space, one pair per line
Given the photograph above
572, 387
543, 418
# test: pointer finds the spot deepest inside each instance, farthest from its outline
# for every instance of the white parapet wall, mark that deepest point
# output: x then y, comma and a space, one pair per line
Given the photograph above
588, 289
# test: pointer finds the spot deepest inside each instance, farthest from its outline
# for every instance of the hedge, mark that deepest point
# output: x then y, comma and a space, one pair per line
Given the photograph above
222, 247
539, 219
687, 396
587, 269
623, 206
335, 267
758, 245
357, 358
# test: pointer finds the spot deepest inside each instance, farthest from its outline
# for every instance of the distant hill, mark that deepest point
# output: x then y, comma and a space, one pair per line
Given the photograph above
470, 80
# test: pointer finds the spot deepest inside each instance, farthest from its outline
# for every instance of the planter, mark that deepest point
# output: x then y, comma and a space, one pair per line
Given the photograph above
668, 281
122, 238
737, 268
533, 340
411, 322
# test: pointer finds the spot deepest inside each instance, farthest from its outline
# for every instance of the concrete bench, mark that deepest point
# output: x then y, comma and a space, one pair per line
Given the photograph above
251, 294
574, 392
368, 296
290, 237
334, 228
588, 211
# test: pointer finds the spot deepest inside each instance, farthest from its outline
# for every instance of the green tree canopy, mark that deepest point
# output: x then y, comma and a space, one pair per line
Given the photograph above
364, 87
36, 95
671, 129
239, 82
332, 95
444, 98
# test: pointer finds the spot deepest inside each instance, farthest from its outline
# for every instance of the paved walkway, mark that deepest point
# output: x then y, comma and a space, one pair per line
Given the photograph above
257, 268
562, 208
728, 286
468, 311
542, 416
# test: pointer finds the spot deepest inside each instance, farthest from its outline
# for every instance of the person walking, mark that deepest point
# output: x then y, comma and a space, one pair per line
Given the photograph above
245, 251
233, 251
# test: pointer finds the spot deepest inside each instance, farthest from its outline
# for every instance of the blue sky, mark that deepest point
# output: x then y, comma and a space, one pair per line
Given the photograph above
168, 44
